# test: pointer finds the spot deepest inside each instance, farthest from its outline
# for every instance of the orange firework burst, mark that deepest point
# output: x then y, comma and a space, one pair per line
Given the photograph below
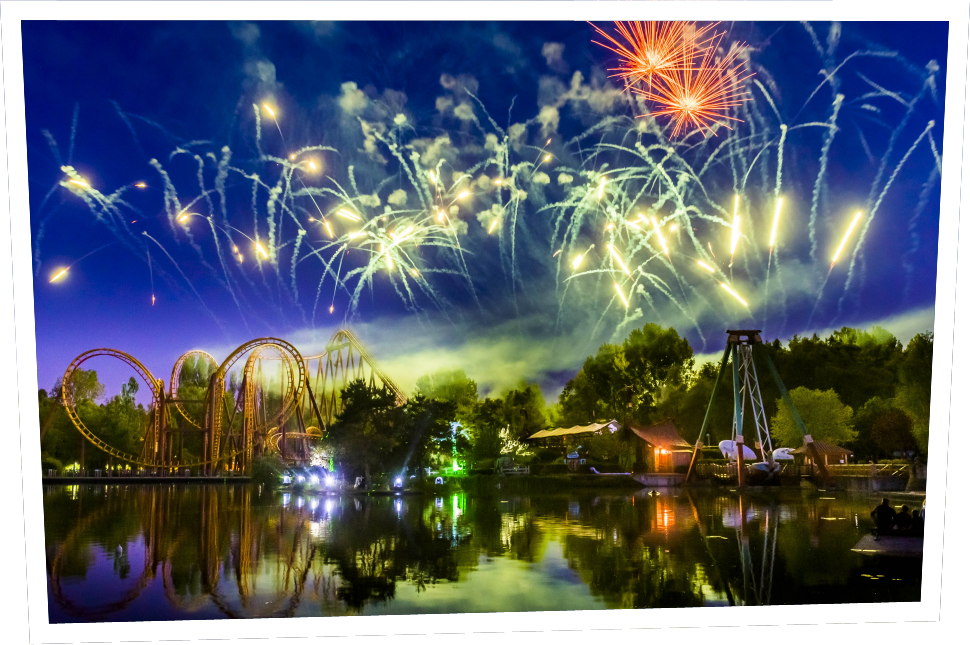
700, 96
652, 48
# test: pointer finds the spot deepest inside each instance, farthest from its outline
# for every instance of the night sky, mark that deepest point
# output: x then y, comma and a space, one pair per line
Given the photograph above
107, 98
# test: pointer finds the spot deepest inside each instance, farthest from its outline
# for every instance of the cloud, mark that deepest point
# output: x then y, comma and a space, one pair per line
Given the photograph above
465, 112
245, 32
352, 100
549, 118
552, 52
398, 198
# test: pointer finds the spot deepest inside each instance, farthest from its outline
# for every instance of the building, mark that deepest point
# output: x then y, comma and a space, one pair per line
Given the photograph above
830, 454
556, 437
660, 448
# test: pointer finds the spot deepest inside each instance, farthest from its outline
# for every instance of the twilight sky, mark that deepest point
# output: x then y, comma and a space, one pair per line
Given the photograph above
490, 285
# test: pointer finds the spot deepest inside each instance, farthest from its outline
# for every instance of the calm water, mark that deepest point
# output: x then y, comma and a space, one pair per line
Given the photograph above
173, 552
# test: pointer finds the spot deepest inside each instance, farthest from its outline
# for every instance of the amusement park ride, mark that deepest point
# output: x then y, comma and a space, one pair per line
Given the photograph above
242, 423
744, 346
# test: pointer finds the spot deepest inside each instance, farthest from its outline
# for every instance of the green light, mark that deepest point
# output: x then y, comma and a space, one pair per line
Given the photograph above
454, 466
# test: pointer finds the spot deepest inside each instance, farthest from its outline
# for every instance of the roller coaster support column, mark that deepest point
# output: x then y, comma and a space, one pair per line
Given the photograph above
213, 422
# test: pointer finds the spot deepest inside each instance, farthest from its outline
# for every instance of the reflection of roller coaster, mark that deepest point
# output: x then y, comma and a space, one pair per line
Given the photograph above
254, 417
226, 545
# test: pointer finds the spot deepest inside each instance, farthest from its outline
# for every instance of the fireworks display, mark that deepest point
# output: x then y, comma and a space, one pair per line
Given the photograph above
599, 210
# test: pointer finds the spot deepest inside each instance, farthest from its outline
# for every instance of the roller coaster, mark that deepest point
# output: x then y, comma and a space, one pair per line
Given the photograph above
241, 420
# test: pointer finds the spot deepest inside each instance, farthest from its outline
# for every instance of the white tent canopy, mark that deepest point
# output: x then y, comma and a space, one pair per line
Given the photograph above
595, 428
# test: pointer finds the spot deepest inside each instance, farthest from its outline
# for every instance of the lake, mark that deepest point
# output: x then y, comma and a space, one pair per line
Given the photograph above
184, 551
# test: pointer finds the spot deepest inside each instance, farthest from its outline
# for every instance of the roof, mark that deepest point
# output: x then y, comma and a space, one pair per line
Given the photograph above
823, 449
591, 428
661, 434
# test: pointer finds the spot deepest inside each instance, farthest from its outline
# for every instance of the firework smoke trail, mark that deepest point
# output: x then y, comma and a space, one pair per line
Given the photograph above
151, 277
70, 148
64, 271
820, 179
865, 225
187, 281
928, 85
924, 197
774, 226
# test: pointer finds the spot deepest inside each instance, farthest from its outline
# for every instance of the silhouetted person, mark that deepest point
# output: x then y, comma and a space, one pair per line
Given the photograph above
904, 521
884, 516
917, 529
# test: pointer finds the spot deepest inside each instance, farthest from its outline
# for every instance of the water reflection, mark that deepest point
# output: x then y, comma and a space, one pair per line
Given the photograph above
180, 552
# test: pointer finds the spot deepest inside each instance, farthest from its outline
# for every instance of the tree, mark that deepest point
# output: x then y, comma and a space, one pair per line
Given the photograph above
524, 411
656, 357
883, 429
826, 418
367, 430
915, 383
430, 434
485, 424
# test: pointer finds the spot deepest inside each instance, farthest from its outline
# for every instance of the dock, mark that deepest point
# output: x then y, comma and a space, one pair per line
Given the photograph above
890, 546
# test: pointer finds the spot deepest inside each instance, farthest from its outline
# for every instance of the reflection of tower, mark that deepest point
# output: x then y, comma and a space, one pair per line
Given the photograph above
757, 586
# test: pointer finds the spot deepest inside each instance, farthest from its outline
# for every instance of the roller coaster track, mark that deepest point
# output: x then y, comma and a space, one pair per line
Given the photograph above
346, 358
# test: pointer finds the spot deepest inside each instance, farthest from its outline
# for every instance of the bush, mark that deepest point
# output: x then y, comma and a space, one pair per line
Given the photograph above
550, 469
548, 455
266, 471
50, 463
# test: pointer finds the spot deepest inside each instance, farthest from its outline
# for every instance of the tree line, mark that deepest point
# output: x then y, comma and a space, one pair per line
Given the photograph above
863, 390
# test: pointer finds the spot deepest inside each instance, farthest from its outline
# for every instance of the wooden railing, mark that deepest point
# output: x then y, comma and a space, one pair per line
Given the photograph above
730, 471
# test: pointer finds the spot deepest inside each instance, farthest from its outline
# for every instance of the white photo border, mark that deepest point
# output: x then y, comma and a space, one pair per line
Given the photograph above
948, 405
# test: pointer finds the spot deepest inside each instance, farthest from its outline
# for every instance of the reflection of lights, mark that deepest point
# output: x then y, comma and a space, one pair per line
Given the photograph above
286, 499
314, 503
299, 502
438, 502
398, 506
328, 506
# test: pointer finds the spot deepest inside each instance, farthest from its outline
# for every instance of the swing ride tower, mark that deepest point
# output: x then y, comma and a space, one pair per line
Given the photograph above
745, 348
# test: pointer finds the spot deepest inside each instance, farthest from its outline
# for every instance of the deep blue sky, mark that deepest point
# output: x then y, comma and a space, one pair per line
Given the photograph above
183, 82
